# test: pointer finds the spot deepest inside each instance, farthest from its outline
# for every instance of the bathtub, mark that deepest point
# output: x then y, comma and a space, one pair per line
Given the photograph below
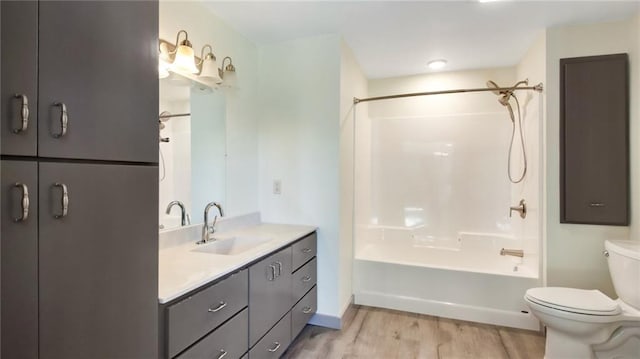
463, 277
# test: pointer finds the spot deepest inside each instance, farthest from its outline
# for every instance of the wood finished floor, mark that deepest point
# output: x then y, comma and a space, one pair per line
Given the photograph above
374, 333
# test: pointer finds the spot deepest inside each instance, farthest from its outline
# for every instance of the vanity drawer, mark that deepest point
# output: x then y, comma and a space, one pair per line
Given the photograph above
231, 338
275, 342
304, 250
192, 318
303, 279
303, 311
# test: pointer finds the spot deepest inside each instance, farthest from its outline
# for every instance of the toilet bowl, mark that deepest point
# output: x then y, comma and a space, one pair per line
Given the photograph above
588, 324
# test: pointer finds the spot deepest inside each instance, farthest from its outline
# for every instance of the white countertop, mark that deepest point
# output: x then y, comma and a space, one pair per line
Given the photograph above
182, 269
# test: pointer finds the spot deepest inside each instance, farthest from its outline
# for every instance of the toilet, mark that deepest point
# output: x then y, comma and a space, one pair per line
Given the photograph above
588, 324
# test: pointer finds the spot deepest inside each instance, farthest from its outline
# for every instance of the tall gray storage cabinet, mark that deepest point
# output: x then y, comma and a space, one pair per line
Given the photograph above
79, 189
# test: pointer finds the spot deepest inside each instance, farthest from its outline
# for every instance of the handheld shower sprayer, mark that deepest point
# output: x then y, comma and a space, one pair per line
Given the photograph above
504, 97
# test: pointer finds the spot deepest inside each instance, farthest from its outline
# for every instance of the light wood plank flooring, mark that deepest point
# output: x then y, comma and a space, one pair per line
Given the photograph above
374, 333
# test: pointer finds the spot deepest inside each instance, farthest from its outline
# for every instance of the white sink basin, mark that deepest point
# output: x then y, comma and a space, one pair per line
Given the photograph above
231, 245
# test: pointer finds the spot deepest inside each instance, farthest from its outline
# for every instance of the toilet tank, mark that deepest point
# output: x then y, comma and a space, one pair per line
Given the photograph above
624, 266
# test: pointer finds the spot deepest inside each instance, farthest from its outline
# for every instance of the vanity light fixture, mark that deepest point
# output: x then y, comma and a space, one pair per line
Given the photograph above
163, 69
209, 66
229, 77
184, 58
180, 58
437, 64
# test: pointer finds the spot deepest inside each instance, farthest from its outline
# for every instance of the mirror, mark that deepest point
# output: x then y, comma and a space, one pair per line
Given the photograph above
192, 149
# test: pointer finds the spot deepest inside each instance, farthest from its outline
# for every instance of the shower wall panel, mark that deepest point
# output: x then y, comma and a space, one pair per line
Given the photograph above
441, 175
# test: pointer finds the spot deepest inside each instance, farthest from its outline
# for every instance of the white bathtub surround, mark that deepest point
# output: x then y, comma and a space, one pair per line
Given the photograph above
433, 196
183, 267
465, 278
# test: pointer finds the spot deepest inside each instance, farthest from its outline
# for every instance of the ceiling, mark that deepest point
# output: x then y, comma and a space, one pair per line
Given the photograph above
396, 38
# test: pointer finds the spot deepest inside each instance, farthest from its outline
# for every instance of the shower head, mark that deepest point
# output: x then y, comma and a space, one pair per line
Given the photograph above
493, 85
165, 116
504, 95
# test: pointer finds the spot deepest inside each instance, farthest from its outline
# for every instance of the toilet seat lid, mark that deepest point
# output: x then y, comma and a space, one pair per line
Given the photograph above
582, 301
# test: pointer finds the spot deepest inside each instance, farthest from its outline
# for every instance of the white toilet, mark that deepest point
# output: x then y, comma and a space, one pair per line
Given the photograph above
588, 324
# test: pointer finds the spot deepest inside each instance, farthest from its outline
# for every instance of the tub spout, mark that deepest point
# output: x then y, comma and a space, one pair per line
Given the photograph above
512, 252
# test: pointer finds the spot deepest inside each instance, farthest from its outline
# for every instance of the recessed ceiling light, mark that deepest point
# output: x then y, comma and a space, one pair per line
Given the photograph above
437, 64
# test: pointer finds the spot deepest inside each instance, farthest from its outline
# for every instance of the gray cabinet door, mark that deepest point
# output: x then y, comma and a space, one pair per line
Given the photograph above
594, 140
302, 312
19, 77
98, 273
269, 293
275, 342
228, 341
194, 317
99, 59
19, 251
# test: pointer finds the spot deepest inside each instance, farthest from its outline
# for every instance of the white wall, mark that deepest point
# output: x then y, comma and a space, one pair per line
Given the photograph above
574, 251
533, 67
204, 27
299, 144
353, 83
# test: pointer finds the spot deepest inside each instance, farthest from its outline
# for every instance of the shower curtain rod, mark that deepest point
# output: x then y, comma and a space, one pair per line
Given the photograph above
175, 115
537, 88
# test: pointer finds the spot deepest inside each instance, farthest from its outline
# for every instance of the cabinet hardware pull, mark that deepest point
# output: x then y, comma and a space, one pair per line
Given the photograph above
221, 305
307, 310
596, 204
223, 353
24, 202
24, 113
273, 272
64, 120
279, 265
65, 201
306, 250
274, 349
306, 278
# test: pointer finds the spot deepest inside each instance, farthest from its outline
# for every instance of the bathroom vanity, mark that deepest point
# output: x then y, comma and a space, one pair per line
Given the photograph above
247, 294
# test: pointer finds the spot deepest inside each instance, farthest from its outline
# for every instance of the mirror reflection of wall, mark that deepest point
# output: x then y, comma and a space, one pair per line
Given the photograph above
192, 149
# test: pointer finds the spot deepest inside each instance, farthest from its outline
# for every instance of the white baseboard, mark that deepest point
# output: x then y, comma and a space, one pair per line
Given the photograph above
326, 320
331, 321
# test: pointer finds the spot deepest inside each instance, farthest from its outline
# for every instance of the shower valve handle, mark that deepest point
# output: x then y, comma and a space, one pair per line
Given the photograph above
521, 208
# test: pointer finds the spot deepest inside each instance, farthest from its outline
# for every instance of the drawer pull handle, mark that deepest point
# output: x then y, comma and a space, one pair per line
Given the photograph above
274, 349
306, 278
596, 204
223, 353
307, 310
24, 202
24, 113
272, 272
64, 202
218, 308
279, 268
306, 250
64, 120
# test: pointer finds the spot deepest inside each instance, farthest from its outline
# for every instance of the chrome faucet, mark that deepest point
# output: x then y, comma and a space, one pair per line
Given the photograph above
184, 216
207, 231
521, 207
